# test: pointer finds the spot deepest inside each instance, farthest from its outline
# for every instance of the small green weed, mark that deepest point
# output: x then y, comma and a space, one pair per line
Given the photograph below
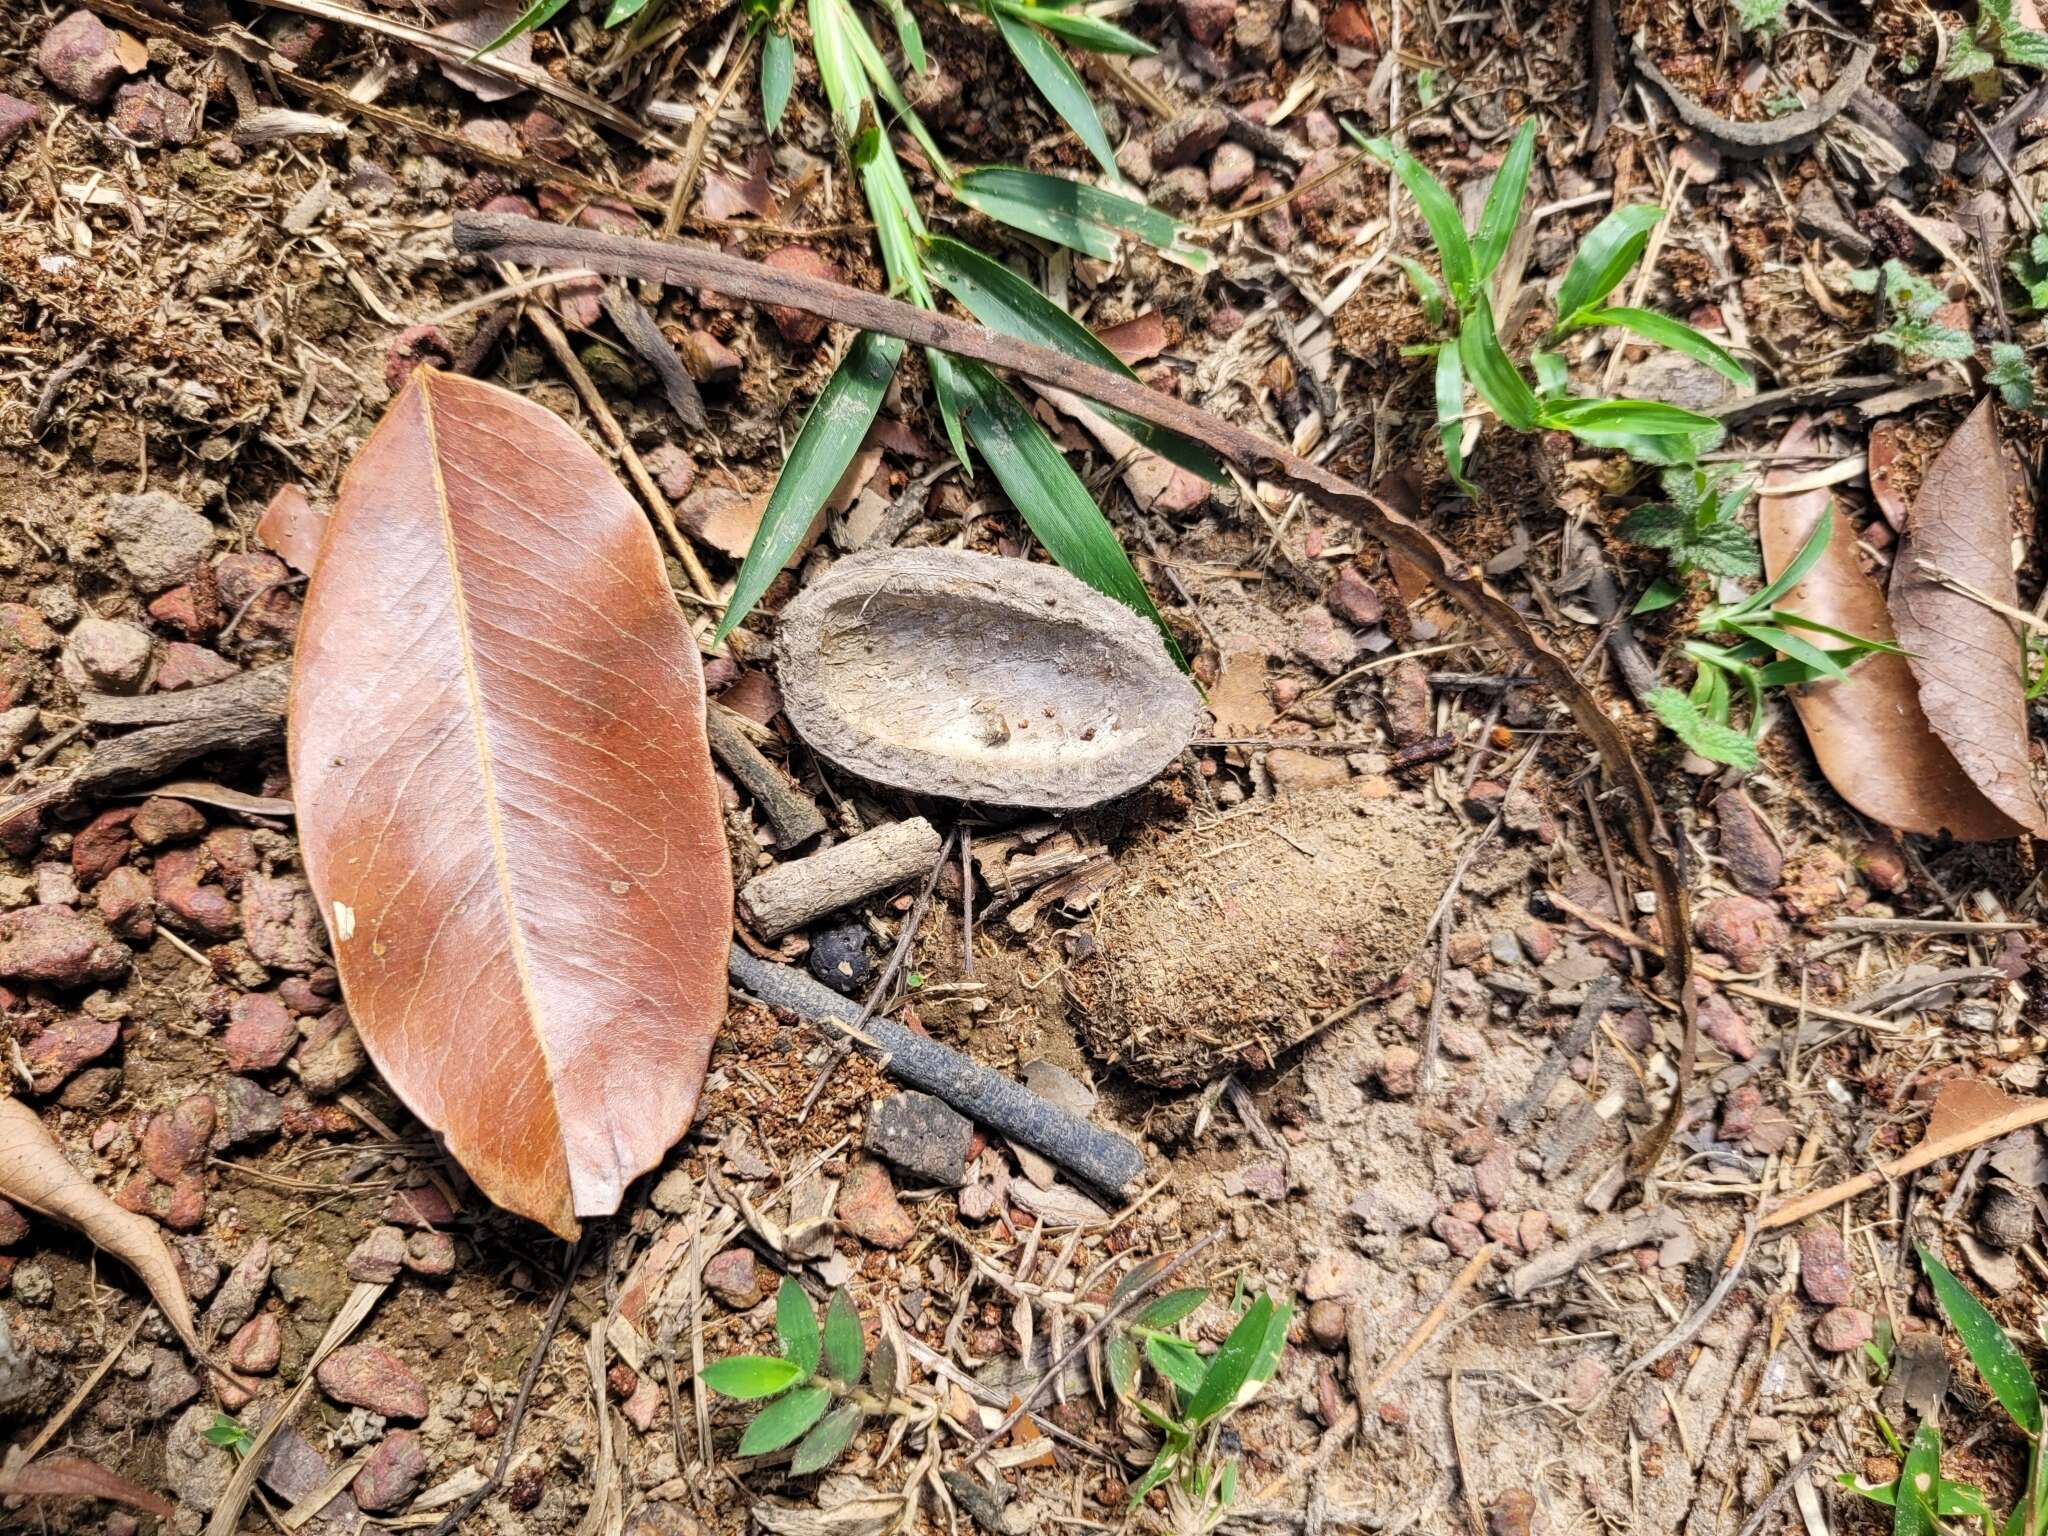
229, 1435
1995, 37
812, 1391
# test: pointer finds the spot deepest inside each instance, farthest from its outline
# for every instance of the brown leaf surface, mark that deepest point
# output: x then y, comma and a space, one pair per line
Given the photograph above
34, 1173
76, 1477
506, 801
291, 528
1867, 731
1966, 656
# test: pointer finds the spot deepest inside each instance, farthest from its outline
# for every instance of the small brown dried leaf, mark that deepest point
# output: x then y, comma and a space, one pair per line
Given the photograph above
1965, 655
76, 1477
1867, 731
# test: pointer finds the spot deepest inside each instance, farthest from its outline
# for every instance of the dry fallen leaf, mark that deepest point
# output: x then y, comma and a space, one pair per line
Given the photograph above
505, 799
1881, 458
76, 1477
35, 1174
1867, 731
477, 30
1965, 655
291, 528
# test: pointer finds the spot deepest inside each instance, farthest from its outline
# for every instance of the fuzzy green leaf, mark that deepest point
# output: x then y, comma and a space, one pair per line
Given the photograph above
796, 1326
1003, 301
1678, 336
825, 1444
746, 1377
845, 1347
1655, 527
829, 438
1504, 202
1997, 1359
1709, 738
1057, 82
2009, 374
1612, 246
1723, 549
1231, 1366
1049, 496
784, 1419
778, 71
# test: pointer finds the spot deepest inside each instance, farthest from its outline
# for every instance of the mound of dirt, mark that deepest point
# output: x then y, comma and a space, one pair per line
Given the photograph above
1227, 943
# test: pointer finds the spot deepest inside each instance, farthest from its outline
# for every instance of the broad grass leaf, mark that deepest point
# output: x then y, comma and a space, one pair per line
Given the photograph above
796, 1326
778, 73
1080, 29
1179, 1362
505, 800
1919, 1490
845, 1346
1678, 336
1867, 731
1041, 59
1003, 301
1504, 202
825, 1444
1450, 410
1049, 496
1992, 1350
747, 1377
1439, 212
1612, 246
831, 435
1165, 1311
1071, 213
784, 1419
1493, 373
1967, 658
1231, 1366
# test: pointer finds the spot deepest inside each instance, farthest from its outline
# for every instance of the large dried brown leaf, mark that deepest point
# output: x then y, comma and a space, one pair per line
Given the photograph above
1867, 731
35, 1173
506, 802
76, 1477
1965, 655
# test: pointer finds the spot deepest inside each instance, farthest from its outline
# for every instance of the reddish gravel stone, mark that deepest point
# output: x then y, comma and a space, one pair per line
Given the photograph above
423, 1205
60, 946
126, 901
245, 577
183, 665
160, 821
1494, 1176
735, 1279
1824, 1267
869, 1209
1532, 1232
56, 886
257, 1345
377, 1258
414, 347
1751, 858
1462, 1237
1352, 598
1882, 867
102, 843
242, 1292
147, 112
1396, 1072
369, 1376
249, 1113
332, 1056
260, 1033
1843, 1329
1814, 882
392, 1474
16, 118
798, 326
281, 924
24, 629
66, 1045
181, 1206
175, 1141
431, 1254
77, 56
1743, 928
1723, 1023
231, 854
188, 901
709, 360
1405, 702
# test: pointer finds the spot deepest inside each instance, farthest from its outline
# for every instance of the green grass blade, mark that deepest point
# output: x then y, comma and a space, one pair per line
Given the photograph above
1499, 382
825, 1444
1450, 409
908, 37
1121, 1360
1651, 418
1079, 28
1049, 496
829, 438
1439, 212
796, 1326
1678, 336
1919, 1492
1178, 1362
1809, 555
876, 68
1231, 1366
1057, 82
1071, 213
1003, 301
1613, 246
1268, 1358
954, 397
746, 1377
846, 1347
784, 1419
623, 11
1997, 1359
1427, 289
778, 73
839, 69
1504, 203
538, 14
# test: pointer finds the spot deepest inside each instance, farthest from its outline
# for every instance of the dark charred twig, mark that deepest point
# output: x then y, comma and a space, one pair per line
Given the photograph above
967, 899
694, 146
1074, 1350
511, 237
53, 387
792, 815
644, 336
1098, 1157
1785, 135
1600, 41
527, 1378
477, 350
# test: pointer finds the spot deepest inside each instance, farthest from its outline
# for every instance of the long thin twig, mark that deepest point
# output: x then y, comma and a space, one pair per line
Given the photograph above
1073, 1351
510, 237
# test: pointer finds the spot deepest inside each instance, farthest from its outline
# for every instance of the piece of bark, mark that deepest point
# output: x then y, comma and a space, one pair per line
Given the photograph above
1636, 1229
1102, 1158
791, 895
792, 815
1742, 140
641, 333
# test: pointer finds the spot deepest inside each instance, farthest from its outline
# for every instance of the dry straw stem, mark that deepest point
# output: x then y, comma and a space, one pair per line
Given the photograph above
508, 237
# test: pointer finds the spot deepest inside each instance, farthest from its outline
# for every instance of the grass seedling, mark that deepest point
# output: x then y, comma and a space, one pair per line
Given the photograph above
1771, 648
1461, 305
1195, 1397
1919, 1496
813, 1395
